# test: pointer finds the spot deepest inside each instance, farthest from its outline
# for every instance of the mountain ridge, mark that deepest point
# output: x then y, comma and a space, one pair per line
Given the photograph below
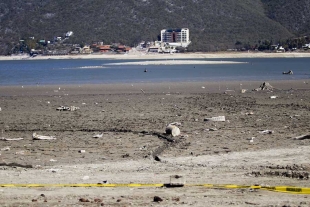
214, 24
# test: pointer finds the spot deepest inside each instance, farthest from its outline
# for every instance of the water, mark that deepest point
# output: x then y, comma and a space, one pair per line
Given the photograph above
95, 71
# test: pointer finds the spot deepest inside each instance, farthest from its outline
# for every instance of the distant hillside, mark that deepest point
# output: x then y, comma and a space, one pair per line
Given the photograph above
213, 24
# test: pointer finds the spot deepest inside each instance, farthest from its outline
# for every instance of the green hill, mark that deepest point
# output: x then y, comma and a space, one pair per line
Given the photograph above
213, 24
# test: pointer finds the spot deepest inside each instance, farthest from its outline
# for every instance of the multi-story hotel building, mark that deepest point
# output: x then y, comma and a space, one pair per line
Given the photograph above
176, 37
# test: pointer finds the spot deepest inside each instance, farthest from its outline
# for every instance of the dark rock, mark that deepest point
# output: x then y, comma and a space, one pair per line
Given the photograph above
157, 199
157, 158
83, 200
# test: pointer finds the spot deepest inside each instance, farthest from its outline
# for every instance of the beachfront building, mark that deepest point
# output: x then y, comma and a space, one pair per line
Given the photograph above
175, 37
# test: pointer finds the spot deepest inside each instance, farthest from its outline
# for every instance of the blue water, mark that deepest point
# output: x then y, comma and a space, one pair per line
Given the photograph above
95, 71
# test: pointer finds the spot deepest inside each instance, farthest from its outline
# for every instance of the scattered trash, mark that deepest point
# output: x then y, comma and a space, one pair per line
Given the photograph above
216, 118
290, 72
11, 139
6, 149
266, 132
82, 151
98, 135
66, 108
302, 137
273, 97
0, 109
175, 123
212, 129
264, 86
243, 90
142, 91
176, 181
251, 139
173, 130
203, 87
35, 136
52, 160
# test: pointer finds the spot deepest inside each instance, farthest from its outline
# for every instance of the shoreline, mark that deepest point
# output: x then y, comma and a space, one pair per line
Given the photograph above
167, 88
144, 56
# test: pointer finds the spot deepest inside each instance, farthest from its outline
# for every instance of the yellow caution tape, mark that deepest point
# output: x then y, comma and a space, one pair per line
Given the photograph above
284, 189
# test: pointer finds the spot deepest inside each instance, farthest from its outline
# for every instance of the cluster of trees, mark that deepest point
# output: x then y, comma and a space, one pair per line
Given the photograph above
262, 45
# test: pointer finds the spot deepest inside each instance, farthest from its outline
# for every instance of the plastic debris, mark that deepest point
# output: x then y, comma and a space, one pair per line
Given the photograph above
216, 118
98, 135
35, 136
266, 132
173, 130
67, 108
243, 90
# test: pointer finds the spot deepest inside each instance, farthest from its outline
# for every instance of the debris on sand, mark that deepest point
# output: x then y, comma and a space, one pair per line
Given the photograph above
264, 86
67, 108
211, 129
6, 149
35, 136
243, 90
273, 97
10, 139
302, 137
98, 135
216, 118
173, 130
266, 132
177, 181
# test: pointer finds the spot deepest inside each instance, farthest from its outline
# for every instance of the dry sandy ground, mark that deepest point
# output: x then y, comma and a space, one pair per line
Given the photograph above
132, 118
145, 55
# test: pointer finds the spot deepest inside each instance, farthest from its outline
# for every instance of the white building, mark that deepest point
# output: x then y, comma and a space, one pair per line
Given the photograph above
175, 37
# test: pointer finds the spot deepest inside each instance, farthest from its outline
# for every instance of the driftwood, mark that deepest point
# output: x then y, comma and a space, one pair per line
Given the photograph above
35, 136
11, 139
302, 137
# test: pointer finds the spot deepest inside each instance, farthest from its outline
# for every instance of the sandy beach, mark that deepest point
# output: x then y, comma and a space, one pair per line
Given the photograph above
132, 55
255, 144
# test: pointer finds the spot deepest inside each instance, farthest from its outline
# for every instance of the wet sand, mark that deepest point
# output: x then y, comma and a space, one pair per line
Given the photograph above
132, 119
